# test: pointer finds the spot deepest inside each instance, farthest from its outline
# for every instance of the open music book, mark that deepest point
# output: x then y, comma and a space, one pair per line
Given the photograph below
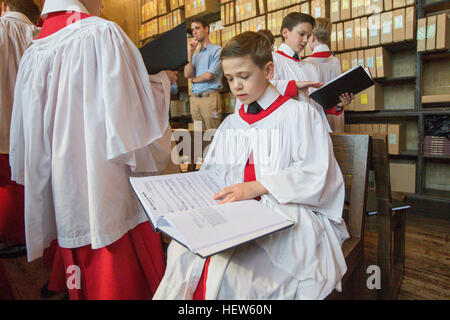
182, 206
353, 81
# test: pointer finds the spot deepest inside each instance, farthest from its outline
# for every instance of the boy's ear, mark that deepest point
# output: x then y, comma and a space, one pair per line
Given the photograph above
270, 69
284, 32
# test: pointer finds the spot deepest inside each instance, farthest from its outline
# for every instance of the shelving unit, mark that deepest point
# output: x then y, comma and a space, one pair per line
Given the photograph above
424, 198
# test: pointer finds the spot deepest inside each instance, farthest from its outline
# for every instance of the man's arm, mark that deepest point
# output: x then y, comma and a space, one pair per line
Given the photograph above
189, 70
203, 78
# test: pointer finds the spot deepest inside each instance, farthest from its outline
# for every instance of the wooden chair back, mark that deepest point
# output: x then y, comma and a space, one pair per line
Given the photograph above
352, 155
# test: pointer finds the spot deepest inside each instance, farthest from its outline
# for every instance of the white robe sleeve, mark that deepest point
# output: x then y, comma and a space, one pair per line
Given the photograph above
136, 113
277, 81
314, 178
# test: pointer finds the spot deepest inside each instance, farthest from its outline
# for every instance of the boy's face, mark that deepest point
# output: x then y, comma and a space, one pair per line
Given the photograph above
297, 38
247, 81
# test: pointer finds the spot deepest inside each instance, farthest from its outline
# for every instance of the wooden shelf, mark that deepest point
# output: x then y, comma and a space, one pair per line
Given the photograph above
395, 80
381, 114
436, 6
437, 157
405, 154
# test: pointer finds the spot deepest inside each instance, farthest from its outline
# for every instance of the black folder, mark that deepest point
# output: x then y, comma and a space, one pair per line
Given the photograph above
353, 81
167, 52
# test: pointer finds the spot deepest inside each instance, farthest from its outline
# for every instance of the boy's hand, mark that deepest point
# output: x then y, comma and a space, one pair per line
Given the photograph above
303, 86
241, 191
192, 46
346, 99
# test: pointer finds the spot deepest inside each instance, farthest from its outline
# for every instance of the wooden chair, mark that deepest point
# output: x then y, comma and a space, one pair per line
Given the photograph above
352, 155
390, 224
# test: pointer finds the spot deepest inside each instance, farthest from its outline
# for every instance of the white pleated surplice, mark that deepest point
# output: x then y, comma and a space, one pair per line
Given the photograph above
16, 34
287, 69
294, 160
85, 117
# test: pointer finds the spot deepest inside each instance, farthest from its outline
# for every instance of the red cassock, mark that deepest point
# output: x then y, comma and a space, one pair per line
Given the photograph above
12, 224
130, 268
249, 175
5, 287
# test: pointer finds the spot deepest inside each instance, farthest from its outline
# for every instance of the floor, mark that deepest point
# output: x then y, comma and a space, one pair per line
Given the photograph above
426, 275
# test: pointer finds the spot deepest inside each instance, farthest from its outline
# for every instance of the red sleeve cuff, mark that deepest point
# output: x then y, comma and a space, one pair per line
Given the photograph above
291, 90
335, 111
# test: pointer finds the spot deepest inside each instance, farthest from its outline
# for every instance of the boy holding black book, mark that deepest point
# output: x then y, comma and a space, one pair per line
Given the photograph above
278, 151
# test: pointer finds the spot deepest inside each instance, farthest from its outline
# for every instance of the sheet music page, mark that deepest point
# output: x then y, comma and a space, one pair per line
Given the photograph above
177, 192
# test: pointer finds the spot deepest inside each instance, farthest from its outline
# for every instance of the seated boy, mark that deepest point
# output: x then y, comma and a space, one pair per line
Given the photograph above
328, 66
277, 150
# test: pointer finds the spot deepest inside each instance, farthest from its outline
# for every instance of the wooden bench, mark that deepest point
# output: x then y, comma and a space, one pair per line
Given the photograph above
390, 224
352, 155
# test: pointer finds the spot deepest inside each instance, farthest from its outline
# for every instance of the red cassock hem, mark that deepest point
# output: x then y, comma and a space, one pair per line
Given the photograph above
6, 292
129, 269
12, 218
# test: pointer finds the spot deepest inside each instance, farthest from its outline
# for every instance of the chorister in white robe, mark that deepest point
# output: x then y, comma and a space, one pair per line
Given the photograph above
16, 34
293, 156
288, 69
327, 68
85, 117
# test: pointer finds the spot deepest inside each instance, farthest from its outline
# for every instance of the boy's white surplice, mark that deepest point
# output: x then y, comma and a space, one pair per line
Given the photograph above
287, 69
16, 34
85, 116
294, 160
328, 68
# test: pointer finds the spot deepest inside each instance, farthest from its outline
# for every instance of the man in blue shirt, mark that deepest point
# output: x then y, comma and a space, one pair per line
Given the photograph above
205, 71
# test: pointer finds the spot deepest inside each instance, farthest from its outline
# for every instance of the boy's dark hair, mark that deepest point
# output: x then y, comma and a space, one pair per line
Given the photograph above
293, 19
27, 7
203, 22
249, 43
268, 35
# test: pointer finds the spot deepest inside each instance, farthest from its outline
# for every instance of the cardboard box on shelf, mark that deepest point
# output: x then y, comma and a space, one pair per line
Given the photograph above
437, 98
320, 8
361, 8
431, 33
403, 177
333, 45
163, 7
346, 10
340, 36
357, 32
399, 19
383, 62
335, 10
373, 26
200, 7
398, 4
355, 4
364, 33
396, 138
361, 60
355, 128
421, 35
305, 8
443, 32
353, 59
345, 61
368, 7
370, 99
369, 54
386, 27
388, 5
262, 6
410, 23
378, 6
349, 38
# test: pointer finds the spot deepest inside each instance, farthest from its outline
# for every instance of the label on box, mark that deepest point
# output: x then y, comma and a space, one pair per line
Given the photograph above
379, 62
369, 63
344, 4
363, 98
398, 22
318, 12
194, 4
333, 36
348, 33
421, 32
392, 138
431, 30
354, 63
334, 7
361, 62
355, 4
339, 36
345, 65
373, 31
387, 27
249, 7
